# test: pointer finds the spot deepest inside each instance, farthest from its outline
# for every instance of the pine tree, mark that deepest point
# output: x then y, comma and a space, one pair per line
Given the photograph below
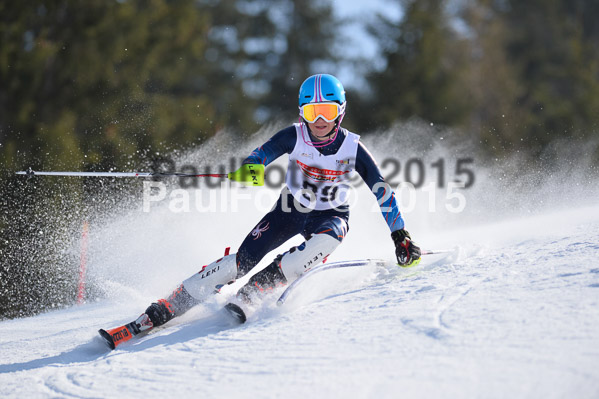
422, 75
537, 72
303, 43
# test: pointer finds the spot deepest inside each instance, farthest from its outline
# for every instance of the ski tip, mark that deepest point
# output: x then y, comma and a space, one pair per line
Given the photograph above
236, 312
107, 338
116, 336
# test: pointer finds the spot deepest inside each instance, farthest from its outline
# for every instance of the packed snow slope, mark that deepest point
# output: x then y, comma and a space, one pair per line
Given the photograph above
513, 312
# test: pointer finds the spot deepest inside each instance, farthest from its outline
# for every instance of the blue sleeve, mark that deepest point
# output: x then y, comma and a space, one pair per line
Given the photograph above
281, 143
371, 174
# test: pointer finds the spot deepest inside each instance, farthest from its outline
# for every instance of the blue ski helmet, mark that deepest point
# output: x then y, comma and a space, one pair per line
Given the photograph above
321, 88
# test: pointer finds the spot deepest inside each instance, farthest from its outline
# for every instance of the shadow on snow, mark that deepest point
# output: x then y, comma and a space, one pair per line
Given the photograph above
97, 349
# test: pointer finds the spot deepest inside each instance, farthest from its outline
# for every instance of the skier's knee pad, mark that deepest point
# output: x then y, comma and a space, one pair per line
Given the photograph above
307, 255
204, 283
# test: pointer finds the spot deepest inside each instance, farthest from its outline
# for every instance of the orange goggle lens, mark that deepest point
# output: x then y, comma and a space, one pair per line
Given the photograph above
328, 111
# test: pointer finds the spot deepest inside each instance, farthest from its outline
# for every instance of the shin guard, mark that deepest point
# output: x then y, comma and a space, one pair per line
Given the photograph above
204, 283
309, 254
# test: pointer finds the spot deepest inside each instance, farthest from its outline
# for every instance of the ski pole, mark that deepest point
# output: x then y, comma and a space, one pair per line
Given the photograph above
249, 174
435, 251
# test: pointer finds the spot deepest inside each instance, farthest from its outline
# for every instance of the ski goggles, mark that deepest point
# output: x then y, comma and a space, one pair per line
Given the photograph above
327, 111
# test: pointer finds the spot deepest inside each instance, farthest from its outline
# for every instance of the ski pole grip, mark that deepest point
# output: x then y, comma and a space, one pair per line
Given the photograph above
249, 174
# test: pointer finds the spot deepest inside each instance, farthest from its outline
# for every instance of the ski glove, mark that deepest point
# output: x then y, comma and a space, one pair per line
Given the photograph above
407, 252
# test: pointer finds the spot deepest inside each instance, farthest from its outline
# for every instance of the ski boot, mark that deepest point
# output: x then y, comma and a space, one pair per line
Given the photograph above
264, 281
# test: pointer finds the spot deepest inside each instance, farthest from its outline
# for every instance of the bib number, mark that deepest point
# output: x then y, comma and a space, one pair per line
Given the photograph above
328, 193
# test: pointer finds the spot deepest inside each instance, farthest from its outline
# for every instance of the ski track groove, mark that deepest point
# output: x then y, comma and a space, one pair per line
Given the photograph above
448, 304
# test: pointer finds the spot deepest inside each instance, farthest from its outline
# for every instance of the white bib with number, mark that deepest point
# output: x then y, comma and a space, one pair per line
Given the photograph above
321, 181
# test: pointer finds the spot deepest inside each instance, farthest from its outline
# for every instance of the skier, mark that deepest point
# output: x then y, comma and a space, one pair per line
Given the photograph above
313, 203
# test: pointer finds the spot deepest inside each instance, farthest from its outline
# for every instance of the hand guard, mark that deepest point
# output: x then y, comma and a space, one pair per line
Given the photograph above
408, 253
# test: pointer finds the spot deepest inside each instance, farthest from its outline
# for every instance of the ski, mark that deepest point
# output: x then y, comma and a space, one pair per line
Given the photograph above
342, 264
116, 336
323, 267
236, 312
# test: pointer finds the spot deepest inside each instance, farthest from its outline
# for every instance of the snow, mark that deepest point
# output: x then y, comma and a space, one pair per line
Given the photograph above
512, 313
515, 319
